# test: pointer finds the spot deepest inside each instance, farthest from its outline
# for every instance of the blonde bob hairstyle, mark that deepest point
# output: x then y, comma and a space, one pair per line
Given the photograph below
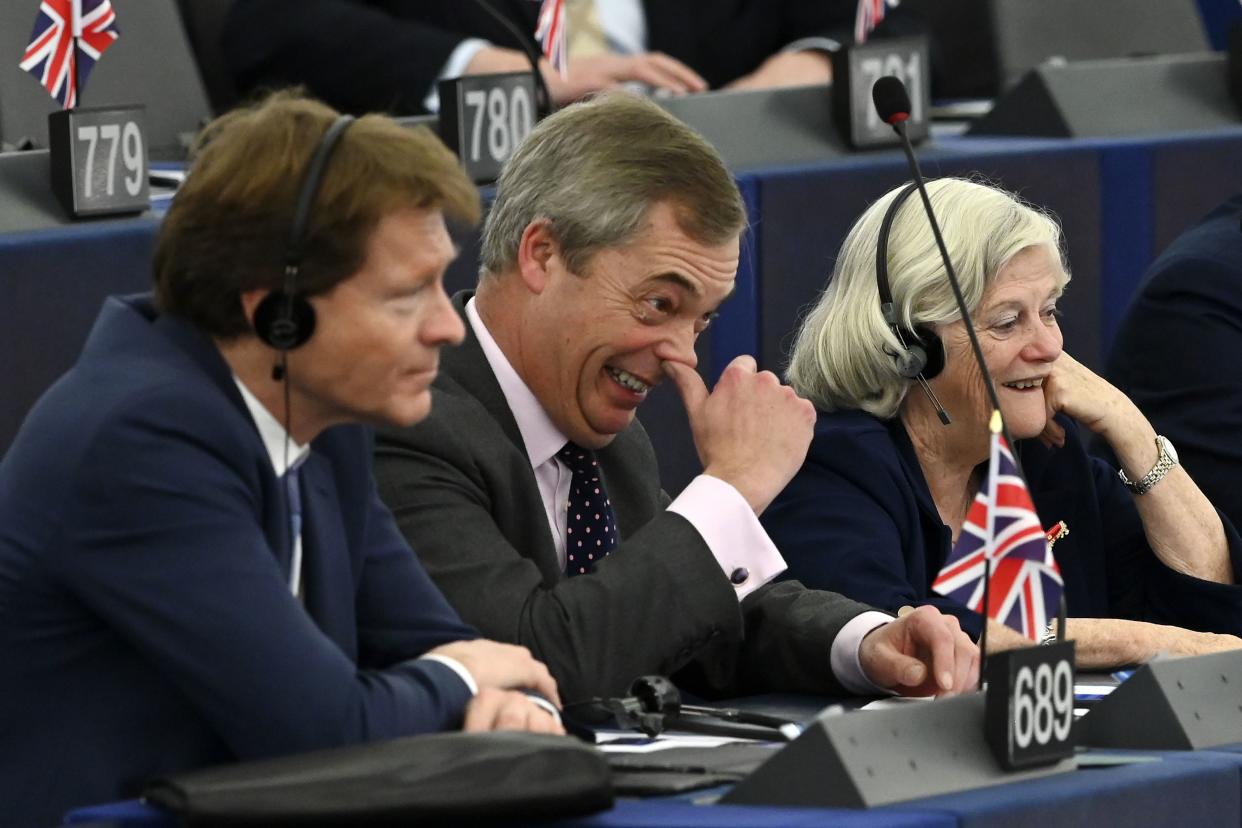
843, 352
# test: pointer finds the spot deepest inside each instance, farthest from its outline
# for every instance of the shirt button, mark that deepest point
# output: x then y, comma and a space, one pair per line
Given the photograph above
739, 576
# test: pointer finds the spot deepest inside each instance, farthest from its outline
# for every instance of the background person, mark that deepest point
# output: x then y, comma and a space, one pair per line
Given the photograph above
1175, 352
886, 487
383, 55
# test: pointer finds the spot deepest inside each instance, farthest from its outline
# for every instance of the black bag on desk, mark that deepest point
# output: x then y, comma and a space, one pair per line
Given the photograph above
457, 776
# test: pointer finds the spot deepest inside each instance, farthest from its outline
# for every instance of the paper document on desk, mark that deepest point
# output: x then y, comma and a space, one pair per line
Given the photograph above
625, 741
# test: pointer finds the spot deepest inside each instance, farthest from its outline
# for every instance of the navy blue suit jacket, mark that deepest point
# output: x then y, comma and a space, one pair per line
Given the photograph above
146, 623
1178, 352
859, 519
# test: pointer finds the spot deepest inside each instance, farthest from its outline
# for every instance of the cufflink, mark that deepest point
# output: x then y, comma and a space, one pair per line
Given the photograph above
739, 575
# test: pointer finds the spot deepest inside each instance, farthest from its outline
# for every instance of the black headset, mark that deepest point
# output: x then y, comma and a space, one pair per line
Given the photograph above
922, 352
285, 319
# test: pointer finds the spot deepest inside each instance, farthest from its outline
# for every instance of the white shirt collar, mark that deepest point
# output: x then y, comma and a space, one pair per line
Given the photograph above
542, 439
272, 433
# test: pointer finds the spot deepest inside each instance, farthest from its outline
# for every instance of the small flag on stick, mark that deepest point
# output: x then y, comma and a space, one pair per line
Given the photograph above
868, 17
551, 35
1026, 583
68, 37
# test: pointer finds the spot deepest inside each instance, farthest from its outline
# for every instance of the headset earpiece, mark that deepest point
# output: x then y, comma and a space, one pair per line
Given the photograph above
284, 322
922, 352
285, 319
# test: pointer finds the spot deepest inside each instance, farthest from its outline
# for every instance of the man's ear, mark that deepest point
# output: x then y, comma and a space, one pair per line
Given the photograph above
539, 252
250, 300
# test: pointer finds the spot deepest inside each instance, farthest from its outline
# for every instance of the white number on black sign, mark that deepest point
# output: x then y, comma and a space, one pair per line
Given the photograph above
1043, 704
102, 143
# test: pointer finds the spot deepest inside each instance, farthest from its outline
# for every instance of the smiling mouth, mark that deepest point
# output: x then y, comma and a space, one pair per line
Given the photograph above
1025, 384
628, 381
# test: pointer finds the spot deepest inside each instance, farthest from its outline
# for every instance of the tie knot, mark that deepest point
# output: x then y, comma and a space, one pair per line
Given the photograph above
576, 457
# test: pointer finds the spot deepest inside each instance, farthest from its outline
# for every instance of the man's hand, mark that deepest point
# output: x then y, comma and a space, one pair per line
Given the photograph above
494, 709
501, 666
799, 68
921, 653
592, 73
750, 431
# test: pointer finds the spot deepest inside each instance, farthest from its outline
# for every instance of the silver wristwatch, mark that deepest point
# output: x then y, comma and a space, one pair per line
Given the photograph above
1164, 464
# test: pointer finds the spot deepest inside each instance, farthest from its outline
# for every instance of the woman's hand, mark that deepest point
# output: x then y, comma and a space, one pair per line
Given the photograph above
1182, 527
1076, 390
1104, 643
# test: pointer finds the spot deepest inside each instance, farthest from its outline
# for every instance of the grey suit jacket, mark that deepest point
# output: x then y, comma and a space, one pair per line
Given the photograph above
462, 489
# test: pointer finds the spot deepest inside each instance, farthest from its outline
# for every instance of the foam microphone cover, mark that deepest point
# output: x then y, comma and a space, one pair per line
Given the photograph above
892, 101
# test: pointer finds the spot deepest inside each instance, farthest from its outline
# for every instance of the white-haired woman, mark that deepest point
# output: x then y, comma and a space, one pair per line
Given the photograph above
886, 485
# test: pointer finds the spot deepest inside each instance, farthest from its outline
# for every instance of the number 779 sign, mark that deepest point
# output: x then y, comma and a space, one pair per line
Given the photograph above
99, 160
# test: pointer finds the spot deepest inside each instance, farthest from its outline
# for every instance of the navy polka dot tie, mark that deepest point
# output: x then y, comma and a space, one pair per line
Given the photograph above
591, 529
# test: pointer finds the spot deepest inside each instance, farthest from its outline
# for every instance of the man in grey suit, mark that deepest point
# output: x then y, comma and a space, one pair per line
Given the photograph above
531, 492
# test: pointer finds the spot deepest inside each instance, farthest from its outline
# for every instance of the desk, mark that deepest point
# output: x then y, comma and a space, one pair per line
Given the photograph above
1121, 201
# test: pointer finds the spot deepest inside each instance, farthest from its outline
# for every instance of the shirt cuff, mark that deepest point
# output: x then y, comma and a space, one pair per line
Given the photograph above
728, 525
457, 667
844, 655
814, 44
457, 62
545, 705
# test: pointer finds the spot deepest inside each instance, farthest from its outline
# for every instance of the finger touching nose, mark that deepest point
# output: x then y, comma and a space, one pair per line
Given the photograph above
678, 347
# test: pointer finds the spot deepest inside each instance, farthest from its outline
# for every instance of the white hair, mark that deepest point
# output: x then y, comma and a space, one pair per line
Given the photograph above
843, 353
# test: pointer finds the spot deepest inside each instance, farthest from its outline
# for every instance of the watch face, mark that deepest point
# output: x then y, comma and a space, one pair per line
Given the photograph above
1168, 448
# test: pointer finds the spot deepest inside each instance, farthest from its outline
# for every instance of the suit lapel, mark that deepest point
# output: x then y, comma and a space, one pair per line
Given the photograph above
467, 366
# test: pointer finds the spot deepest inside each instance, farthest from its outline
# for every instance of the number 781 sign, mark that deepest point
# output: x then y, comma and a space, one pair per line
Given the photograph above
99, 160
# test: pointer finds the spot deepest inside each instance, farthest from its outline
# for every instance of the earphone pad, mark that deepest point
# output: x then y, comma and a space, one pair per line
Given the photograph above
933, 351
910, 360
282, 322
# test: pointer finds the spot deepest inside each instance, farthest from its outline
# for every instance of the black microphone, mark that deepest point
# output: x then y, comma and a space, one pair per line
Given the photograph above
892, 104
543, 102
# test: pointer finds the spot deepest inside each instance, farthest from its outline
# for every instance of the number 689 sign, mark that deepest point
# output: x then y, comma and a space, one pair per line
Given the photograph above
99, 160
1030, 705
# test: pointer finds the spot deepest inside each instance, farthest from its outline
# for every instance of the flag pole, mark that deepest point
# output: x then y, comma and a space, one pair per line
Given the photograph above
77, 81
996, 427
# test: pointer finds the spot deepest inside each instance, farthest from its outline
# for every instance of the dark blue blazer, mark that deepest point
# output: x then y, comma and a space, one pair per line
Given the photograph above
146, 624
858, 518
1178, 352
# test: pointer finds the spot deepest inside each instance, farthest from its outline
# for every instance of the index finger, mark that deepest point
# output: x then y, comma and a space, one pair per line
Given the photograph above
929, 634
545, 686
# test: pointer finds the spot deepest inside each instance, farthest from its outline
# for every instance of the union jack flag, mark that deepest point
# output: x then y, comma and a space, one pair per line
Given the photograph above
551, 34
1026, 581
68, 37
868, 16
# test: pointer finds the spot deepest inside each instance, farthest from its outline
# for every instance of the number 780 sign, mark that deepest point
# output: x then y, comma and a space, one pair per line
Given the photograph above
483, 118
99, 160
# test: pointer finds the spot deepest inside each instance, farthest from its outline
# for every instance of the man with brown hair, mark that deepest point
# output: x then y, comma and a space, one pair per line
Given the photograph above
194, 565
532, 492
